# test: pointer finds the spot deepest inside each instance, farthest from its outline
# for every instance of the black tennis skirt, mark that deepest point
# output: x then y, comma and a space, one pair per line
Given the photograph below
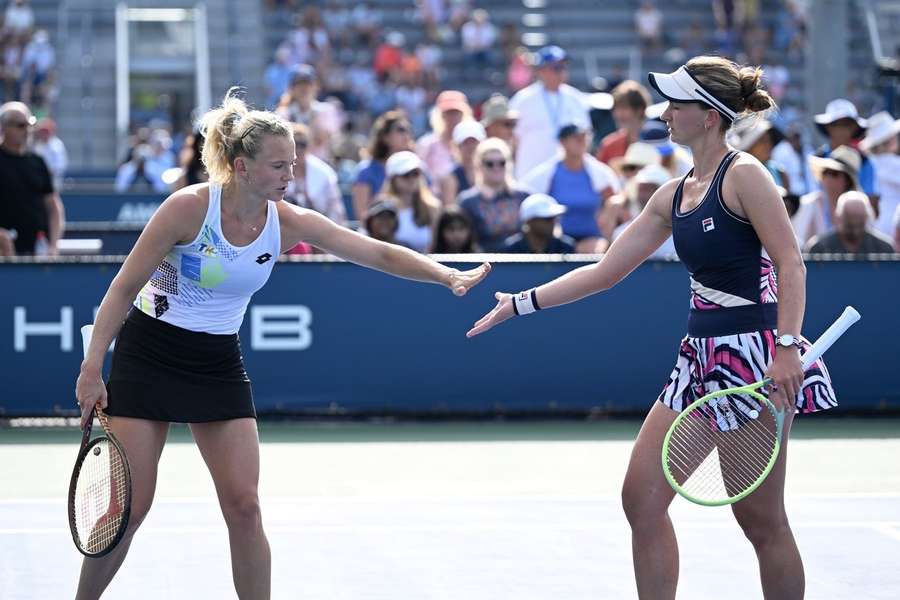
163, 372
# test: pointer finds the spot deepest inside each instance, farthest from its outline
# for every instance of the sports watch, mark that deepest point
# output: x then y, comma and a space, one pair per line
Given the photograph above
787, 340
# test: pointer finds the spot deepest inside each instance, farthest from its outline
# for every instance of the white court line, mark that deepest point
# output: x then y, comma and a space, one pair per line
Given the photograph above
363, 499
883, 526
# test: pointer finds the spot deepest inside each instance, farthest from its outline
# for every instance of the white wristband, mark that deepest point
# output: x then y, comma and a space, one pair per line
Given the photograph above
525, 303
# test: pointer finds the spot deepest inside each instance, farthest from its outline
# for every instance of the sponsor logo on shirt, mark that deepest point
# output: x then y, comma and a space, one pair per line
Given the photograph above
708, 224
263, 258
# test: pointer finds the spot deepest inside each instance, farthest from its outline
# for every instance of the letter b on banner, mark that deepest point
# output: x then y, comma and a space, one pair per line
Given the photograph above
283, 327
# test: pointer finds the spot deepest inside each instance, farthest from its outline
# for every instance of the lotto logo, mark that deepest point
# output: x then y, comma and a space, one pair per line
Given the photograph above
708, 224
263, 258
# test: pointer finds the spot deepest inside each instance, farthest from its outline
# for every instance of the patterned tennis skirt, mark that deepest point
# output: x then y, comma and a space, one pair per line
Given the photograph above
706, 365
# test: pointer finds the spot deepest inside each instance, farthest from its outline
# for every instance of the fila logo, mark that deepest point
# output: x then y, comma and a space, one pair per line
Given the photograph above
263, 258
708, 224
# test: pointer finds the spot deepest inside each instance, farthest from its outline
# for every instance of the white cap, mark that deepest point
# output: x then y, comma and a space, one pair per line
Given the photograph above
839, 109
882, 127
401, 163
681, 86
468, 129
655, 174
539, 206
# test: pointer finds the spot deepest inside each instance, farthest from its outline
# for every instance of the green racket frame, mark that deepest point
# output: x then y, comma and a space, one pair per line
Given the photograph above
751, 390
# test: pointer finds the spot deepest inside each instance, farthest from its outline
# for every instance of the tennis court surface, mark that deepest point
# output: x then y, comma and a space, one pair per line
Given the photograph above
471, 511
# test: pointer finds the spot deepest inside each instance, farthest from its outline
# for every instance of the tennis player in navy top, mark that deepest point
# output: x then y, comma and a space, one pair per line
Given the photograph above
733, 234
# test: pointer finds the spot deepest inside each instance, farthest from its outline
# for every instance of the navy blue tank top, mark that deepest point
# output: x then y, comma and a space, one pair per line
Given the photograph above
733, 283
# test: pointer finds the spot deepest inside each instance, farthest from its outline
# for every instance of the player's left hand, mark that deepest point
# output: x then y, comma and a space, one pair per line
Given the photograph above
786, 372
461, 282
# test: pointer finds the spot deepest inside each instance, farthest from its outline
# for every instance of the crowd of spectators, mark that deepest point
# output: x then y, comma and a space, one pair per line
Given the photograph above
383, 146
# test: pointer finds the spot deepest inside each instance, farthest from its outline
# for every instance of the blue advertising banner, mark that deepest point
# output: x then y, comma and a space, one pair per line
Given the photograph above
333, 338
110, 206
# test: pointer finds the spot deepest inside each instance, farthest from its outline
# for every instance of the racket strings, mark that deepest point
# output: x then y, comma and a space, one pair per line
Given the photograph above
100, 497
711, 464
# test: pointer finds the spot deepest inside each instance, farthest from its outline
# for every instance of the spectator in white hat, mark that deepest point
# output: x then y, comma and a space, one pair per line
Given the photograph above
544, 107
417, 208
581, 183
638, 193
466, 137
853, 234
836, 174
540, 234
882, 144
758, 137
638, 156
843, 126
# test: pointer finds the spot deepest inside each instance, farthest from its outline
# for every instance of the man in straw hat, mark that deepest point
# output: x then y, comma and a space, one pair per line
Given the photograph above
499, 120
843, 126
882, 144
836, 174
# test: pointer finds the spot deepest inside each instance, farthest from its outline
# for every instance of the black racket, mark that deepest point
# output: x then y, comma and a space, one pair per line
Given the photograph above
100, 488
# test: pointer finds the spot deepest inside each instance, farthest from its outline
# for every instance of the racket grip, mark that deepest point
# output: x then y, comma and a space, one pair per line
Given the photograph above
831, 335
86, 332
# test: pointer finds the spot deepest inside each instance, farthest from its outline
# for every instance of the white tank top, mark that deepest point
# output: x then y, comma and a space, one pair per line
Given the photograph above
206, 285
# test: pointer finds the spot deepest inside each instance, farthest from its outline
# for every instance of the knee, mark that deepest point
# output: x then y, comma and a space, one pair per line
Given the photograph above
643, 506
242, 510
762, 529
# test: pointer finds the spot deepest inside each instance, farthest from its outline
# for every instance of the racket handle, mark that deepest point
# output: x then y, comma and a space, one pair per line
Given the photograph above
831, 335
86, 332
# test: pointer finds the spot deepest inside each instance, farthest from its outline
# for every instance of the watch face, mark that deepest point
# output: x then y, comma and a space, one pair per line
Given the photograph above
786, 340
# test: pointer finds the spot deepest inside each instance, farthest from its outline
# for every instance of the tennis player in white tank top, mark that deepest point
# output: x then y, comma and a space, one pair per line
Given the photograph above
239, 218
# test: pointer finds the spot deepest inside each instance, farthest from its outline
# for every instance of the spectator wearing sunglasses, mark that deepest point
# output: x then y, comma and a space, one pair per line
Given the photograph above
30, 209
417, 208
544, 107
836, 174
493, 202
579, 182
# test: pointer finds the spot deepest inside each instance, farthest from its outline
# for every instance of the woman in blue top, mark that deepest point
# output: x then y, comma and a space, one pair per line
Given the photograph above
732, 232
579, 182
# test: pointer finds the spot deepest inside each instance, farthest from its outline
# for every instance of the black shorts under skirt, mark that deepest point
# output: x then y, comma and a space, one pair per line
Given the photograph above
163, 372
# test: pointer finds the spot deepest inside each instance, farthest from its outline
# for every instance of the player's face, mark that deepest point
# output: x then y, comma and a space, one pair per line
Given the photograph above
685, 121
270, 172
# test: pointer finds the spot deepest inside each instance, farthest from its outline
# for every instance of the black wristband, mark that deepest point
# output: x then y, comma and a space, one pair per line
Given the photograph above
534, 299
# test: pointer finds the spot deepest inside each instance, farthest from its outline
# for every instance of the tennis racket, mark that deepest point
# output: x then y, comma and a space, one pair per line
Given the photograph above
722, 446
100, 488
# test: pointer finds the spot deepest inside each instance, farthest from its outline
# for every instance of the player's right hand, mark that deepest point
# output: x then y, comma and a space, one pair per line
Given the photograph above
89, 390
501, 312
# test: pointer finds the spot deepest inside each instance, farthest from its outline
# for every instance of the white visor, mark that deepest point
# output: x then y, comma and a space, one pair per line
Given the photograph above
681, 86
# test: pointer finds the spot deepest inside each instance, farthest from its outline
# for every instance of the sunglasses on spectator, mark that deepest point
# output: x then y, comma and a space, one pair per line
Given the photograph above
301, 143
831, 173
630, 168
494, 164
507, 124
18, 124
411, 174
399, 129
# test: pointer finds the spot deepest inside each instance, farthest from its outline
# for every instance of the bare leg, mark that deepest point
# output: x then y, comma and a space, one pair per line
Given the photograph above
143, 443
646, 496
231, 451
764, 520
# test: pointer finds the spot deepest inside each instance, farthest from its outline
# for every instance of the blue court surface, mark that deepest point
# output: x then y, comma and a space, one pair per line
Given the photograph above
455, 511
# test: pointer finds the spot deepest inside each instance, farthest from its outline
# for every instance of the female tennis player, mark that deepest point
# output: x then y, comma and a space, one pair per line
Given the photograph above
182, 293
732, 233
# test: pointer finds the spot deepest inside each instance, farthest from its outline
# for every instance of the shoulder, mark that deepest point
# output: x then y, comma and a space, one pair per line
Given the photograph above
524, 94
746, 171
468, 197
189, 202
882, 241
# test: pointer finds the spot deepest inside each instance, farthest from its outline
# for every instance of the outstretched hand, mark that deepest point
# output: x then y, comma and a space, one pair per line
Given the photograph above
462, 281
501, 312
